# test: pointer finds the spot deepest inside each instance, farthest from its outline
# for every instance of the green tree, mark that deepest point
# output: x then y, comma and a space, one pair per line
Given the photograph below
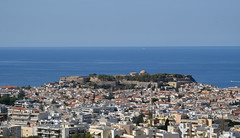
26, 87
231, 123
138, 119
166, 124
8, 100
93, 75
164, 127
154, 100
75, 136
89, 136
150, 115
21, 94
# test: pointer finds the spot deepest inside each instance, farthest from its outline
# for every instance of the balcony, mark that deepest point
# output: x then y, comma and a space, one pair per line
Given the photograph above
34, 118
20, 117
19, 122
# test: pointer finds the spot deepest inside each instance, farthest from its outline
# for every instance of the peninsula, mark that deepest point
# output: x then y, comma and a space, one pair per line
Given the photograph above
134, 80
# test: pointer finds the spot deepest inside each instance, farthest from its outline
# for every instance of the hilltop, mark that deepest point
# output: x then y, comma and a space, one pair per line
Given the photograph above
132, 81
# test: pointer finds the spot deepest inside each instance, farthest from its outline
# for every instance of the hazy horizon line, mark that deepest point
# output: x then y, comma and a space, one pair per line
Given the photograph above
106, 46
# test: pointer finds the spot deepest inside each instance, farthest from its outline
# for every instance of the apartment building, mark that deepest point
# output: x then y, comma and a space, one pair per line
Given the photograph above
24, 116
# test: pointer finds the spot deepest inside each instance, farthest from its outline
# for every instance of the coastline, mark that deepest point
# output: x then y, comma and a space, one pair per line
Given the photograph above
36, 66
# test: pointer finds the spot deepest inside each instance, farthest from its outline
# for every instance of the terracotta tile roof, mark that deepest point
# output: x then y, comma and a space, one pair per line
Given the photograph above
100, 97
19, 108
9, 87
175, 108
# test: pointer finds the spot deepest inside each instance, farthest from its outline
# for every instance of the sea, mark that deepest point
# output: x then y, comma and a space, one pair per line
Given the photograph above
34, 66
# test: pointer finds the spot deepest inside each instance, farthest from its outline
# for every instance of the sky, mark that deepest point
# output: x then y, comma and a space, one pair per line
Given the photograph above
70, 23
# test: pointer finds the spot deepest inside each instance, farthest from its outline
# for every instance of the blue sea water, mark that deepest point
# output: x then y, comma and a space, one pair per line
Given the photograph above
21, 66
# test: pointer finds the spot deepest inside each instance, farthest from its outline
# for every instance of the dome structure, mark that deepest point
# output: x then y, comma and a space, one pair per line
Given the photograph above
143, 72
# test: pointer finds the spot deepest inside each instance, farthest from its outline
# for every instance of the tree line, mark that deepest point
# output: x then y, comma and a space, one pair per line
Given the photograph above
142, 78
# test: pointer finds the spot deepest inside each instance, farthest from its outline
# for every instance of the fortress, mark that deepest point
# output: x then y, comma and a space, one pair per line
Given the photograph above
138, 80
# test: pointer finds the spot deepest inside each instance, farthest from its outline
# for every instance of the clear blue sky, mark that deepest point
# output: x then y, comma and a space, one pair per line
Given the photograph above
119, 23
